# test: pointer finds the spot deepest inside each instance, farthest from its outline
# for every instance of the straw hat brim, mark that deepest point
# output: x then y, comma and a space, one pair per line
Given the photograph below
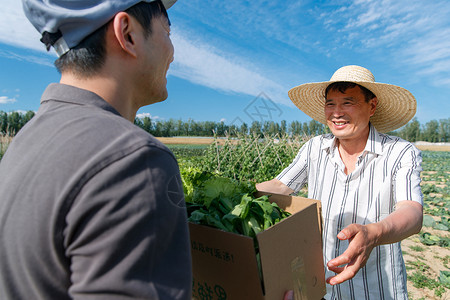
396, 105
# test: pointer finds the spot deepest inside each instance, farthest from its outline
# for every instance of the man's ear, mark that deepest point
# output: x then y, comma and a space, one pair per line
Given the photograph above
124, 27
373, 105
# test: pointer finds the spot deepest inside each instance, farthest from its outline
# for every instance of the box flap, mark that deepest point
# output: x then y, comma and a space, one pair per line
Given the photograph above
293, 204
292, 258
224, 265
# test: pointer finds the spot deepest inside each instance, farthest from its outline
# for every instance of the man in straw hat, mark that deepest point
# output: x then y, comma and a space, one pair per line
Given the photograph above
367, 181
91, 206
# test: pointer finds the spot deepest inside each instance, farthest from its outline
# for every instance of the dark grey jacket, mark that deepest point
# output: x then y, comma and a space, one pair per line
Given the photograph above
91, 207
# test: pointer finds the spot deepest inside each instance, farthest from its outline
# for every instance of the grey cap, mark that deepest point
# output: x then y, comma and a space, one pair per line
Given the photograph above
65, 23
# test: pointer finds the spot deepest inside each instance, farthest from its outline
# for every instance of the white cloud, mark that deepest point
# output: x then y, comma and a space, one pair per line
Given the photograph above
199, 63
41, 60
15, 29
412, 33
143, 115
6, 100
19, 111
202, 64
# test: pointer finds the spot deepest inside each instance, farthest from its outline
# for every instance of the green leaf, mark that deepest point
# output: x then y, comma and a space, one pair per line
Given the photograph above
428, 239
444, 277
440, 226
242, 208
254, 225
225, 204
428, 221
215, 222
231, 222
197, 216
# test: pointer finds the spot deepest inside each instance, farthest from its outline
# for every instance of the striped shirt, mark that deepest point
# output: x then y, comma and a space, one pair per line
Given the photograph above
388, 171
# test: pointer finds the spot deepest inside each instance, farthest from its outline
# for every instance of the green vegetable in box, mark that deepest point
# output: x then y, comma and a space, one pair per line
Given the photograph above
227, 204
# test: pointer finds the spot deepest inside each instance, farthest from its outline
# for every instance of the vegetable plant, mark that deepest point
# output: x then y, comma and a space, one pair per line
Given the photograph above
227, 204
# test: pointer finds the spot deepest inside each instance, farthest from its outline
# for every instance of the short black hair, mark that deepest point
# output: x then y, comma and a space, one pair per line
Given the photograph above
342, 86
88, 56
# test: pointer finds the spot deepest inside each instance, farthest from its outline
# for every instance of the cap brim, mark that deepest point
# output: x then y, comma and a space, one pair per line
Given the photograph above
168, 3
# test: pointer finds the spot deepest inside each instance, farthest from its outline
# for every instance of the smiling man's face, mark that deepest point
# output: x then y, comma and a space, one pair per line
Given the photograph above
348, 113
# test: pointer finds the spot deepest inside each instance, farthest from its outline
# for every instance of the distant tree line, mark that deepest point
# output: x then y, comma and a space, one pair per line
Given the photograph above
174, 127
433, 131
11, 123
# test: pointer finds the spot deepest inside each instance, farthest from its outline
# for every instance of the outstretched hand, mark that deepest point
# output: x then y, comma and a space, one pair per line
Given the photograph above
361, 243
400, 224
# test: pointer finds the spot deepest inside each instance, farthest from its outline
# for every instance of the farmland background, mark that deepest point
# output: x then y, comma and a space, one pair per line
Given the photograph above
259, 151
426, 254
434, 131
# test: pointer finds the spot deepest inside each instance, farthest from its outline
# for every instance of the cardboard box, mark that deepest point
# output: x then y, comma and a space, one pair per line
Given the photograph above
225, 264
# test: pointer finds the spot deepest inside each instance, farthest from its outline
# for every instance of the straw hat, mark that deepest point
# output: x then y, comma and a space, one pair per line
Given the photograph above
396, 106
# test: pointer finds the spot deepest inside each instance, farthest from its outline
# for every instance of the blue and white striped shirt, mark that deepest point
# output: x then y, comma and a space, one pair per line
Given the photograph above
388, 171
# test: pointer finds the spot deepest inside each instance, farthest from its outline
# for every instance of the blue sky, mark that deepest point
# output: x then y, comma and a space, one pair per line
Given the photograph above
236, 60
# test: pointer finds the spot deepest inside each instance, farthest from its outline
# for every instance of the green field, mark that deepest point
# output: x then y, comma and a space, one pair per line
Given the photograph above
427, 254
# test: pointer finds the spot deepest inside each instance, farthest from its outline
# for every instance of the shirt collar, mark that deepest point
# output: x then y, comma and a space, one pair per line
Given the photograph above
374, 141
328, 141
373, 145
70, 94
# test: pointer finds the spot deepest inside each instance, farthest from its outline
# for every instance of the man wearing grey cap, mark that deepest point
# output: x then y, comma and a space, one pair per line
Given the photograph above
91, 206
